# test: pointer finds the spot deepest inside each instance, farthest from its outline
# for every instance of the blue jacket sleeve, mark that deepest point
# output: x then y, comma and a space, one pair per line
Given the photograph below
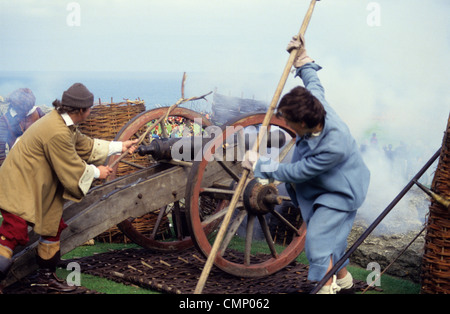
301, 170
308, 74
325, 152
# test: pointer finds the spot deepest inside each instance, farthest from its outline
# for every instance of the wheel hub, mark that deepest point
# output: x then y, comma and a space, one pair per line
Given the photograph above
260, 199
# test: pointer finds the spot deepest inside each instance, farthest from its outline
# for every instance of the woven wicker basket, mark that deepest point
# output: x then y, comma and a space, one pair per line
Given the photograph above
436, 258
104, 122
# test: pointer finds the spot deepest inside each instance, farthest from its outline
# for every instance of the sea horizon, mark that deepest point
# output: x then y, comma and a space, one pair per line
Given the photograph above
153, 87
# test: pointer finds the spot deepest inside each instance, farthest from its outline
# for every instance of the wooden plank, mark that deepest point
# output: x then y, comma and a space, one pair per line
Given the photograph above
104, 207
82, 220
132, 201
95, 193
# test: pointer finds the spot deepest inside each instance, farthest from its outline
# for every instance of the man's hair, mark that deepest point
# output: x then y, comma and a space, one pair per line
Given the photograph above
65, 109
299, 105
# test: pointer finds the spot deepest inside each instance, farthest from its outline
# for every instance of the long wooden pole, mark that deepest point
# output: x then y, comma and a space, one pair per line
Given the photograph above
288, 67
226, 220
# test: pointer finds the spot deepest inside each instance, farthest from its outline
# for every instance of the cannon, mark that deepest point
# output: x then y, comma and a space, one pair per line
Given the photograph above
193, 195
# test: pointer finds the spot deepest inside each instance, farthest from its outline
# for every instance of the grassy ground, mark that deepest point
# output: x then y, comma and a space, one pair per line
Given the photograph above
100, 284
389, 284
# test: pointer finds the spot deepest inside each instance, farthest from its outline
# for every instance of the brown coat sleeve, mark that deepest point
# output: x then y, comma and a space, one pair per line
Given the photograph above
92, 151
64, 159
83, 145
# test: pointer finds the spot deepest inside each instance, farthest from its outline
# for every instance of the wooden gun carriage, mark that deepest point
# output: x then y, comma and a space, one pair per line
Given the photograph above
192, 196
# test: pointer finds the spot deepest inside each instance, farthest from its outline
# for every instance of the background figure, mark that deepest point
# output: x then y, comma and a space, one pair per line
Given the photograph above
20, 114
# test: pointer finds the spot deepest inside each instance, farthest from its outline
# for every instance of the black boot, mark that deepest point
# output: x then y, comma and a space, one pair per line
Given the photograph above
5, 265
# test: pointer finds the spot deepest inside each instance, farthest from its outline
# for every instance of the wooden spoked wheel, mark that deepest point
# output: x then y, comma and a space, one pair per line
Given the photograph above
168, 230
239, 253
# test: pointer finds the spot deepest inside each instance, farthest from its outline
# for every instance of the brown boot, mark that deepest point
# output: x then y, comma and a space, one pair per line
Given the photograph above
47, 257
47, 278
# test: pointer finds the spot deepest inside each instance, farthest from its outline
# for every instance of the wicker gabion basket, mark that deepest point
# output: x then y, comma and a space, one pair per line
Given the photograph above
436, 258
104, 122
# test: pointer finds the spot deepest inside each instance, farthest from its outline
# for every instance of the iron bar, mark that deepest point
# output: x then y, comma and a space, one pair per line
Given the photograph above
375, 223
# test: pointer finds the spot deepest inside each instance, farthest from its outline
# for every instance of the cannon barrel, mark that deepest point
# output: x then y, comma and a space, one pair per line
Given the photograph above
163, 149
186, 148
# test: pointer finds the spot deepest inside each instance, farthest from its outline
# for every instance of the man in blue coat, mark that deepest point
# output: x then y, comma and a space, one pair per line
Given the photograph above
326, 178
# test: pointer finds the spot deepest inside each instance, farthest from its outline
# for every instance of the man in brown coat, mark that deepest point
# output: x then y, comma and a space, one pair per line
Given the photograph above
50, 163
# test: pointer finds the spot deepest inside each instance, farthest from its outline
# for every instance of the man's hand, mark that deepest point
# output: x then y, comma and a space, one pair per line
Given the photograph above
250, 159
105, 171
295, 43
129, 145
302, 57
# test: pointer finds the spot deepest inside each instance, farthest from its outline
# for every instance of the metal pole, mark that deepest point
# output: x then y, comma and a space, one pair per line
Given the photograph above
375, 223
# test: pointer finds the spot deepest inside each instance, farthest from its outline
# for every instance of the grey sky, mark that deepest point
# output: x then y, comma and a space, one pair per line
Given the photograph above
205, 35
396, 70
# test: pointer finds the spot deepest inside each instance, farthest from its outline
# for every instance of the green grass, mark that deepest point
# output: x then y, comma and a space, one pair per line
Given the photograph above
89, 250
101, 284
389, 284
104, 285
